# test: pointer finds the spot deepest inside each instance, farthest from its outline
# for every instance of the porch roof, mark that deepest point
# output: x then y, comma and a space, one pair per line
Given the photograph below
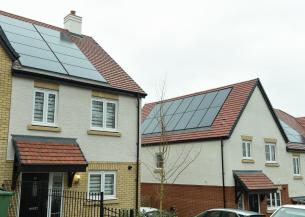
253, 181
48, 154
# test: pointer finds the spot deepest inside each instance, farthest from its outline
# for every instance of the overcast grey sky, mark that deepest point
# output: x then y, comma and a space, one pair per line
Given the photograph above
194, 45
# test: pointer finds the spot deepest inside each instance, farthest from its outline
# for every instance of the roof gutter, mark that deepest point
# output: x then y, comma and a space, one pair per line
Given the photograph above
36, 73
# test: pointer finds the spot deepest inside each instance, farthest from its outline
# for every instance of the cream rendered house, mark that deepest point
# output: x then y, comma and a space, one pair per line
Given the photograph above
243, 160
69, 116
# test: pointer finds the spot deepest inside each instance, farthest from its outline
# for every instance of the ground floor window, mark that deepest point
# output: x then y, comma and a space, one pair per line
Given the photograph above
274, 200
55, 194
102, 181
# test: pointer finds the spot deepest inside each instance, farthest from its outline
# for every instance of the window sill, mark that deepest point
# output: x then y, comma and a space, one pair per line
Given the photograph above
104, 133
111, 201
297, 177
157, 170
248, 161
272, 164
44, 128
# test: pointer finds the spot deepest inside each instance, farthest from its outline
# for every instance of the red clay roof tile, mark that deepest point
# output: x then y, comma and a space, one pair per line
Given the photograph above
49, 153
108, 67
301, 121
255, 181
293, 122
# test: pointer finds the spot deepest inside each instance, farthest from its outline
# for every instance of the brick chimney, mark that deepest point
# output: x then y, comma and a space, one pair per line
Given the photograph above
73, 23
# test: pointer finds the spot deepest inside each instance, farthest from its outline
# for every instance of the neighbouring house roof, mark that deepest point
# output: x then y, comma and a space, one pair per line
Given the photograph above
114, 75
301, 120
253, 180
294, 130
222, 125
48, 154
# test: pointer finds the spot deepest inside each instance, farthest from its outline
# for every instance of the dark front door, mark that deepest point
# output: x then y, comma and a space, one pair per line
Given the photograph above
254, 202
34, 195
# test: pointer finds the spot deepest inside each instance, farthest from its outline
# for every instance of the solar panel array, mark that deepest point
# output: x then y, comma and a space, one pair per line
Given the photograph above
292, 134
188, 113
47, 49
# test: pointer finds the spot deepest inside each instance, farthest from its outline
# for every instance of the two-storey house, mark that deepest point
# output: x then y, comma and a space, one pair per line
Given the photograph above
239, 148
69, 116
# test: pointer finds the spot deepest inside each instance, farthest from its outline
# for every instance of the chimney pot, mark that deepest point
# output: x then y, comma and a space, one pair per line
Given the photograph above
73, 23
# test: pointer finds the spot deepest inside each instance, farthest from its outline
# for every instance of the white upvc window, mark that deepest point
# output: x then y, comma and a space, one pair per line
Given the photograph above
102, 181
159, 160
45, 107
270, 150
274, 200
296, 166
104, 114
246, 148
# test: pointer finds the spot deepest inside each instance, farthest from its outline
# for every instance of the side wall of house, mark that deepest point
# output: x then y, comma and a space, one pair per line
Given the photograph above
257, 123
197, 173
197, 188
5, 103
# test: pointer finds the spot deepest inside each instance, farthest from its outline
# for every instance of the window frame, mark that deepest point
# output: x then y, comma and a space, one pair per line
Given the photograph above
298, 165
270, 153
246, 146
103, 175
271, 207
44, 121
159, 162
104, 101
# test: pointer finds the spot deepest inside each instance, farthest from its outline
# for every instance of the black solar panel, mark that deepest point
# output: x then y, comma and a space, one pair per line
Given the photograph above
47, 49
292, 134
189, 113
172, 109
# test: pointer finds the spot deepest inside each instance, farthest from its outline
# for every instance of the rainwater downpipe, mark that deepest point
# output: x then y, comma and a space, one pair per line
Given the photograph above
138, 153
223, 175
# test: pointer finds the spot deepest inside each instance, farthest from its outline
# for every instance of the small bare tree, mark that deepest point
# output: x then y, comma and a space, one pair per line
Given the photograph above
170, 163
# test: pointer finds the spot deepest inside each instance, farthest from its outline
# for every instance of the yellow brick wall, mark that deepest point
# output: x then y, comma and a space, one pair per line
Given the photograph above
125, 182
6, 167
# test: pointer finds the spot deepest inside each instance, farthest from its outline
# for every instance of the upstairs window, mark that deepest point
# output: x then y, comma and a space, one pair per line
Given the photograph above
44, 109
274, 200
103, 114
270, 150
296, 166
159, 160
246, 146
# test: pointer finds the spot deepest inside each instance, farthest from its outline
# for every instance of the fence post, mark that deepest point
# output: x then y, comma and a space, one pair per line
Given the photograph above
131, 213
102, 204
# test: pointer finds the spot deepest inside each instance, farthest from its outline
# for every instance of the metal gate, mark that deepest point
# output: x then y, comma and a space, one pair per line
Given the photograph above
69, 203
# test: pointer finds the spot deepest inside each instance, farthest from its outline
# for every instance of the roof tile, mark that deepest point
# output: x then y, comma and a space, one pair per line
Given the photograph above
49, 153
255, 180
